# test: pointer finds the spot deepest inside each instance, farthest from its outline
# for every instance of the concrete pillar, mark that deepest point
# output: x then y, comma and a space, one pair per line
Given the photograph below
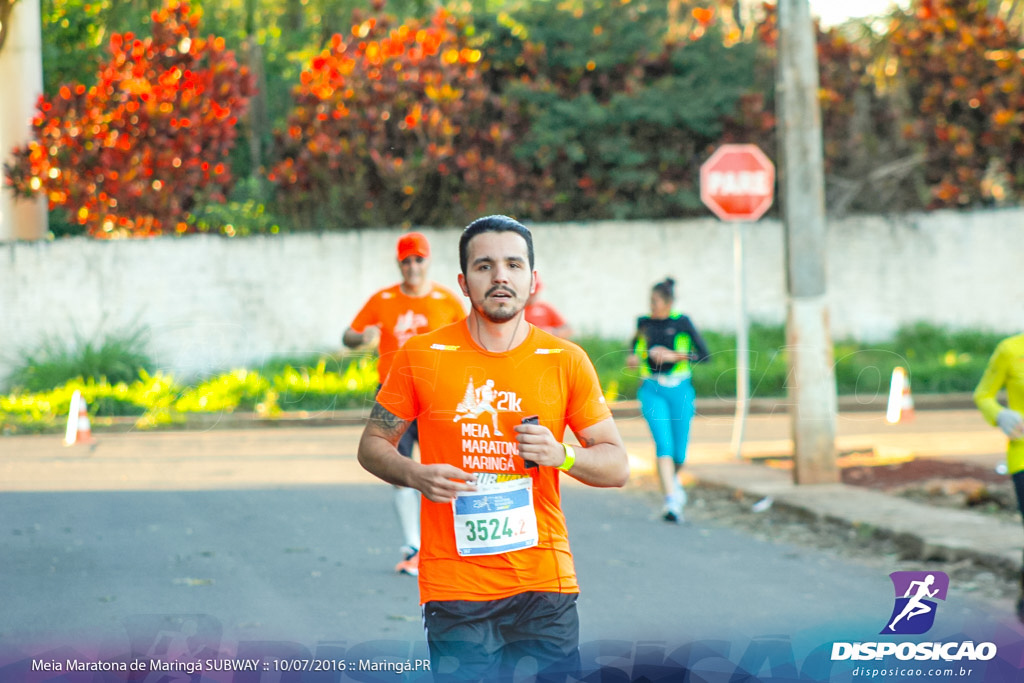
21, 73
812, 384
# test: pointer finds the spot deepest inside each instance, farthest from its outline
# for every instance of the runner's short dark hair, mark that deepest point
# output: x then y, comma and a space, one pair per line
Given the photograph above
493, 224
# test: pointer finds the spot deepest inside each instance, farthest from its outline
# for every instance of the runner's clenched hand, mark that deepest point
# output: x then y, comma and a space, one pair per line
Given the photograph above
1011, 423
440, 483
537, 443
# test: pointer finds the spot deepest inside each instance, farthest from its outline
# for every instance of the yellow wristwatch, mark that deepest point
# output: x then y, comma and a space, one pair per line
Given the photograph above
570, 458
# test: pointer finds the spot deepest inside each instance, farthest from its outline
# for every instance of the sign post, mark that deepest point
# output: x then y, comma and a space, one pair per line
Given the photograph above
738, 184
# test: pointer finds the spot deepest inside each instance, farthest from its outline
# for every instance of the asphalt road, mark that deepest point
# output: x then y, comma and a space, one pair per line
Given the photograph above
276, 541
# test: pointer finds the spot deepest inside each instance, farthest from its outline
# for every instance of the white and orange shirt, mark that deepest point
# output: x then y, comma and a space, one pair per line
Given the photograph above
467, 402
401, 317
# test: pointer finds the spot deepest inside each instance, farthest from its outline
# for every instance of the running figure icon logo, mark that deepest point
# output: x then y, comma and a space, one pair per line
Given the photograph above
486, 399
408, 325
916, 593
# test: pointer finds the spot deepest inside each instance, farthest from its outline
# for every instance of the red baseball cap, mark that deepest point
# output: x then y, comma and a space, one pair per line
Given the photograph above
413, 244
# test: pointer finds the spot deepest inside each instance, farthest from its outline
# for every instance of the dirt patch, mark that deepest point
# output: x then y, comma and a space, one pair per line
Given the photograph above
917, 470
940, 482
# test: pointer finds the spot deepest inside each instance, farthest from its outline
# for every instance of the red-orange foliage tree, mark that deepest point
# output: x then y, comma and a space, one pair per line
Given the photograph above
868, 164
963, 75
931, 118
392, 125
130, 155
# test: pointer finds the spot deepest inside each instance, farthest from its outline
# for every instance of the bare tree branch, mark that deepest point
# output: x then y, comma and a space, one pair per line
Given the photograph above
882, 181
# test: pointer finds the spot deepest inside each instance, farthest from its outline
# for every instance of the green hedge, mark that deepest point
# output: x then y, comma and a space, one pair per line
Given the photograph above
939, 361
160, 400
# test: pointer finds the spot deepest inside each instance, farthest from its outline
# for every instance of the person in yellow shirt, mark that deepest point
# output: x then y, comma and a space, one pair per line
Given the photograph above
493, 396
1006, 370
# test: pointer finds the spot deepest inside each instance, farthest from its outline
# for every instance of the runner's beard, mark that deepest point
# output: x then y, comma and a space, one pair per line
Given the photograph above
500, 313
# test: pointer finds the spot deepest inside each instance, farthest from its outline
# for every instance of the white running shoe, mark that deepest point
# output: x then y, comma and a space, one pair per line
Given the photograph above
672, 511
681, 495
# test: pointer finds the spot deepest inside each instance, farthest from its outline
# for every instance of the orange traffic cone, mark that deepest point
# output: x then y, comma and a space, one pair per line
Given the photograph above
79, 430
901, 403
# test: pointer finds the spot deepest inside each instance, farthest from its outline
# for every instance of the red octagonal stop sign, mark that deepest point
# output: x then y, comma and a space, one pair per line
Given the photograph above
737, 182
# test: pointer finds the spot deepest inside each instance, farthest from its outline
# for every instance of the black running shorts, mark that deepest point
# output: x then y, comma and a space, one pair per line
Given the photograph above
528, 634
1018, 486
409, 439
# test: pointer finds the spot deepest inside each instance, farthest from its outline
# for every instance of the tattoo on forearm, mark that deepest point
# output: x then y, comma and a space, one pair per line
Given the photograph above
387, 422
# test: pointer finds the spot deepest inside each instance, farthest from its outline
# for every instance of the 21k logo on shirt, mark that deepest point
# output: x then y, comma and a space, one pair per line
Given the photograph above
485, 398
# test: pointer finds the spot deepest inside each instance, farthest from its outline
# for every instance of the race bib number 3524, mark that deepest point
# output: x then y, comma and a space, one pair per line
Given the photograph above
496, 518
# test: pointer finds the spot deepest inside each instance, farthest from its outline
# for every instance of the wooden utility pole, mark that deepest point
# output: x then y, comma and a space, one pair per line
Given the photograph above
21, 73
258, 102
812, 383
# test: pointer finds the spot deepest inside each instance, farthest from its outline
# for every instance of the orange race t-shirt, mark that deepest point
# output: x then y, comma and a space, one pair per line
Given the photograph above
467, 402
544, 315
402, 317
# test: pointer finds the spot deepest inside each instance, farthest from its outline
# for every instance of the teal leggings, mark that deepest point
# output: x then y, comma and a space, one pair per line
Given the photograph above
668, 411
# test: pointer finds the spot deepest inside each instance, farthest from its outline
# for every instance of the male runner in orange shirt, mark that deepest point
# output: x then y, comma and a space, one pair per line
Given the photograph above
393, 316
497, 580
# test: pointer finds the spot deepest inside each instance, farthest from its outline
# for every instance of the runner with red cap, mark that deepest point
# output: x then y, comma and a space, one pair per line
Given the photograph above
390, 318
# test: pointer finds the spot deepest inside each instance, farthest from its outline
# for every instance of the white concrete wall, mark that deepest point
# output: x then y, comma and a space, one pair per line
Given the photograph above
212, 303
